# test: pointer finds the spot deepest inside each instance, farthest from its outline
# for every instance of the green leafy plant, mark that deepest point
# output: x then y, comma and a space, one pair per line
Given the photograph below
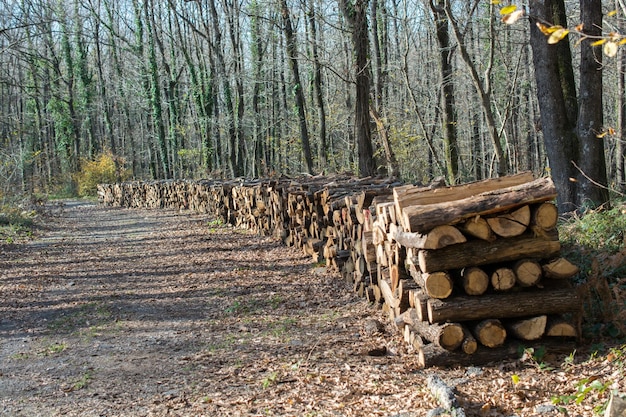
269, 380
84, 381
54, 348
585, 388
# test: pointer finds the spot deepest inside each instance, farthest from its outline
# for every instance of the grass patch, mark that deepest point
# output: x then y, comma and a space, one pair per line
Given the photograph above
83, 381
53, 349
596, 242
16, 223
86, 320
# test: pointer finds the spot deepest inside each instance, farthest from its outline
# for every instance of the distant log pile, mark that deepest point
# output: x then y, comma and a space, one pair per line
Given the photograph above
462, 271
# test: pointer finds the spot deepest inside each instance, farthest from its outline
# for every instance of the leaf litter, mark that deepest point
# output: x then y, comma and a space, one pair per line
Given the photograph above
166, 313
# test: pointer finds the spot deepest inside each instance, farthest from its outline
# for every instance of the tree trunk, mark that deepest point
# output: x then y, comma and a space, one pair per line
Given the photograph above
317, 86
292, 54
356, 15
555, 86
449, 106
592, 181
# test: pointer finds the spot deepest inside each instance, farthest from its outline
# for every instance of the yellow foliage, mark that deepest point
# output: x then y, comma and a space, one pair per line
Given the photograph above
508, 9
101, 170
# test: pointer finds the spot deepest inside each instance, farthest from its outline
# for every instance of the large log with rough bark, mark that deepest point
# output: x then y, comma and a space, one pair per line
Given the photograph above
479, 252
431, 355
408, 196
504, 305
423, 218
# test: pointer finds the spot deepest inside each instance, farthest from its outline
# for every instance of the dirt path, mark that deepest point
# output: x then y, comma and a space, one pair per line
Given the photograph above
115, 312
133, 313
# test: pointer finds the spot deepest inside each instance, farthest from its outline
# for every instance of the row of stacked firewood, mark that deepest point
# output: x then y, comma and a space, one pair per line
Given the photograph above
465, 272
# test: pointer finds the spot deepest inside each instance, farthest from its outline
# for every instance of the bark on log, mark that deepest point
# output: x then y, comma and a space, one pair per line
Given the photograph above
407, 196
504, 305
447, 335
445, 396
478, 252
431, 355
423, 218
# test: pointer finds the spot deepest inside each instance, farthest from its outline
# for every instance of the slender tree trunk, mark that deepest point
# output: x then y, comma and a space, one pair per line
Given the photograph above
620, 149
451, 152
292, 55
155, 94
483, 86
317, 86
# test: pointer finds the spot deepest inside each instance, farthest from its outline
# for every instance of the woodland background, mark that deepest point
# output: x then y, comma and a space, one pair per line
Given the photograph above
255, 88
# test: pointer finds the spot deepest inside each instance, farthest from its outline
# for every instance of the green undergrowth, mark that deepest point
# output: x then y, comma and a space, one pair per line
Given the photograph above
596, 242
16, 223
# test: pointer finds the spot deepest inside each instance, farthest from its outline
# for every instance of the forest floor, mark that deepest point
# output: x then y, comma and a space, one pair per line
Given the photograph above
117, 312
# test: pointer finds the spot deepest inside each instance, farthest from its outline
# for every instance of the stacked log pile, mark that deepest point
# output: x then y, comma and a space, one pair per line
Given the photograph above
458, 269
484, 261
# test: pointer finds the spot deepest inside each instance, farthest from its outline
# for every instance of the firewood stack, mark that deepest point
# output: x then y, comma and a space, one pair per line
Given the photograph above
465, 268
460, 270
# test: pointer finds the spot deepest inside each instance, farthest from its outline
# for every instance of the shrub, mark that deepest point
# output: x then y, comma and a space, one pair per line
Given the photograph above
596, 242
106, 168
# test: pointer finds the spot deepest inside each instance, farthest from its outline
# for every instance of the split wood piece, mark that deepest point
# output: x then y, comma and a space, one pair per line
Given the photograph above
378, 233
419, 300
528, 329
381, 256
559, 327
408, 335
447, 335
439, 237
431, 355
423, 218
385, 214
504, 305
510, 224
436, 284
445, 396
369, 249
368, 220
397, 274
560, 268
405, 287
387, 293
478, 228
475, 280
544, 216
469, 345
503, 279
407, 196
479, 252
490, 333
527, 272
